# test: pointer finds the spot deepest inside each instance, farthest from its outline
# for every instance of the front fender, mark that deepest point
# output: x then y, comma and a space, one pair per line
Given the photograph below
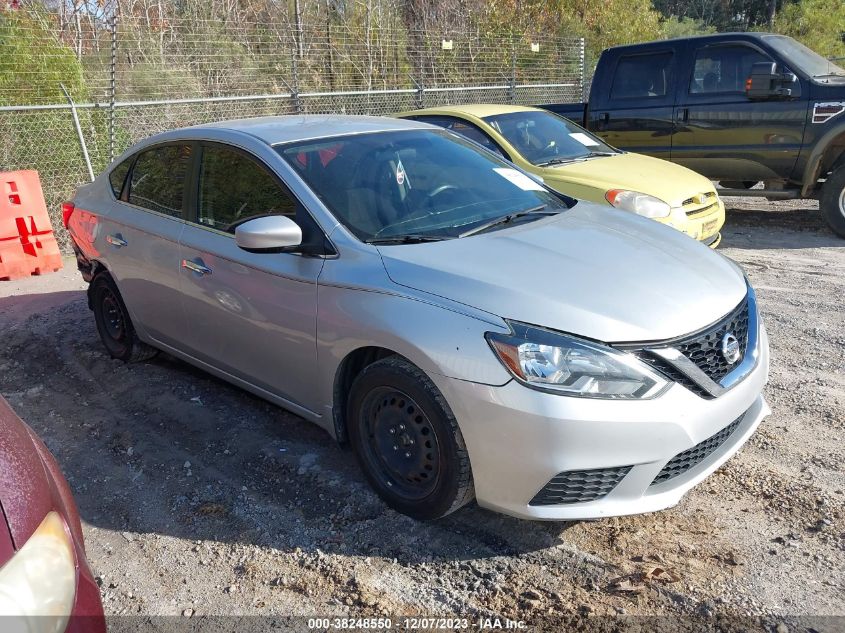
436, 339
814, 162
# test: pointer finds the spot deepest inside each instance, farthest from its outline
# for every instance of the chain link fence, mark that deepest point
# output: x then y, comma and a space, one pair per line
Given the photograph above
129, 77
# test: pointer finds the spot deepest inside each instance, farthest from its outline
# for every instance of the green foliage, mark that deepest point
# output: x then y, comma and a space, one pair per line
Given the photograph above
33, 62
673, 26
818, 24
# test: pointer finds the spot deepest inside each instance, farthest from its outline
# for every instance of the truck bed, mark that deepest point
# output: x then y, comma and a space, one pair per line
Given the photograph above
575, 112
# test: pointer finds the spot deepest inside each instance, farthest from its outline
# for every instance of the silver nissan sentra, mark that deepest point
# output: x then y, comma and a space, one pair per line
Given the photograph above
468, 331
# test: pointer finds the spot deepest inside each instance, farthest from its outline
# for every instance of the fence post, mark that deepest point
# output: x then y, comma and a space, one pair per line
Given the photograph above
582, 69
415, 55
112, 81
297, 102
512, 88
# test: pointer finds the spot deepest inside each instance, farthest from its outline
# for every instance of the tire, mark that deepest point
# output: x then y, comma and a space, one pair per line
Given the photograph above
407, 440
832, 202
113, 323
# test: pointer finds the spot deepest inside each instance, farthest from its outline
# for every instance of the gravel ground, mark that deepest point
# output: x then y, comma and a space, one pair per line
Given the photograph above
198, 498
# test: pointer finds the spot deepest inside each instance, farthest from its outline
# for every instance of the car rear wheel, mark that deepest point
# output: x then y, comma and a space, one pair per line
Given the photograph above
113, 322
832, 203
408, 441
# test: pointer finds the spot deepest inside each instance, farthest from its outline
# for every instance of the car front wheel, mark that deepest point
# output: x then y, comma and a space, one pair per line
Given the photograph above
832, 203
113, 323
408, 441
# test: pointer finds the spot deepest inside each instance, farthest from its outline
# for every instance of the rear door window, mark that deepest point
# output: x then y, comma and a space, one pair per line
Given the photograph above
234, 188
158, 179
642, 77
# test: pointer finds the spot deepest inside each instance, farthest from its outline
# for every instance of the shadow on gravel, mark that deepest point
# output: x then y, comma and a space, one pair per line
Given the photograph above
798, 228
161, 449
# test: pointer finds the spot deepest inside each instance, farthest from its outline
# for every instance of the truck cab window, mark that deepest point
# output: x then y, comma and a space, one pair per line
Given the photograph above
641, 76
723, 69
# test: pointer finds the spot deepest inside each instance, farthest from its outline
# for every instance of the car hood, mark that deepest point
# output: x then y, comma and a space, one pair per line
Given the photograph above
592, 271
669, 182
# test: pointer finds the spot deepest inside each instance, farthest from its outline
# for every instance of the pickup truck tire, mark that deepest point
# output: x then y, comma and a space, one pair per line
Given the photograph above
832, 203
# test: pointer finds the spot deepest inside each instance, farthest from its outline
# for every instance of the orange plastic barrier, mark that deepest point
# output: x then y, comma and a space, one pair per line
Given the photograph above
27, 243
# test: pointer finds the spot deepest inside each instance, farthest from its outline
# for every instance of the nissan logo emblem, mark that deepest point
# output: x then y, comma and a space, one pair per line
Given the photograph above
730, 348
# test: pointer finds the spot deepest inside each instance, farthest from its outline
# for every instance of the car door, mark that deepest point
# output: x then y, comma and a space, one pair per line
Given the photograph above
723, 134
252, 315
140, 237
636, 113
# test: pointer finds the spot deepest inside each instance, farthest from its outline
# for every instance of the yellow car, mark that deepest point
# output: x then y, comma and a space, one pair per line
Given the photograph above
575, 162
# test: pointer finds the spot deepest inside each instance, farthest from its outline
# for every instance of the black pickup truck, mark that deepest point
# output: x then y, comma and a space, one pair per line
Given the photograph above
739, 108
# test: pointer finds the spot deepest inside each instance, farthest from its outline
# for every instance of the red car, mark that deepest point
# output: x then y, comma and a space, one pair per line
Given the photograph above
43, 570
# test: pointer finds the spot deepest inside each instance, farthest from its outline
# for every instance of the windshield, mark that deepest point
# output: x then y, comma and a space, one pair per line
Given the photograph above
428, 184
545, 138
803, 58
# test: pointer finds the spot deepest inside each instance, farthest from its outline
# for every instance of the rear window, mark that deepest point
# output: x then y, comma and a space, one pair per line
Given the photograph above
158, 179
641, 76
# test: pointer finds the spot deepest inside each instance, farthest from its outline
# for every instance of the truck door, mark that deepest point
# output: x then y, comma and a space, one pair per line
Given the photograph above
635, 107
723, 134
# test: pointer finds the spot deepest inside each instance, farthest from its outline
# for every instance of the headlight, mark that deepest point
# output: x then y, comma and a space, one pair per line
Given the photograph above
639, 203
549, 361
38, 584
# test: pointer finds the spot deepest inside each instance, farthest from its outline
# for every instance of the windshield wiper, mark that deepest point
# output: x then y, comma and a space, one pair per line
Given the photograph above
407, 239
506, 219
561, 161
558, 161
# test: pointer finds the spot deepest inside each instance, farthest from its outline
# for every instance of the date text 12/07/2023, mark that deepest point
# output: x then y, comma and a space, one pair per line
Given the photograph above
416, 623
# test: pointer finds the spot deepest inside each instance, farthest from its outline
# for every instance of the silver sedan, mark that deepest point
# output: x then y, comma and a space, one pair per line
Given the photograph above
470, 332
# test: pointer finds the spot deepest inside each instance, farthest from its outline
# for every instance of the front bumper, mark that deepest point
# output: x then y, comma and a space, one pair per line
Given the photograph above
703, 226
519, 439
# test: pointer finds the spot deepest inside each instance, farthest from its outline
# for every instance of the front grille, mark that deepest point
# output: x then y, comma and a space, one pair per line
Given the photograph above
673, 374
682, 462
579, 486
705, 348
706, 205
705, 209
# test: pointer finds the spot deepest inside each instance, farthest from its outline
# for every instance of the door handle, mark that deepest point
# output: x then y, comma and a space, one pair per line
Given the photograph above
195, 267
116, 240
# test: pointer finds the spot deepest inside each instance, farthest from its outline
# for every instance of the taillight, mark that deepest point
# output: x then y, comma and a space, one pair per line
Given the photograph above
67, 211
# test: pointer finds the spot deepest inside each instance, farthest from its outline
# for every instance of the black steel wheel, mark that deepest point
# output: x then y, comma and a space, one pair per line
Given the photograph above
407, 440
400, 442
113, 323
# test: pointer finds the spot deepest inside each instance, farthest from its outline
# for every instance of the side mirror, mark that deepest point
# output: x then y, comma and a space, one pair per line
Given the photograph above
766, 82
271, 232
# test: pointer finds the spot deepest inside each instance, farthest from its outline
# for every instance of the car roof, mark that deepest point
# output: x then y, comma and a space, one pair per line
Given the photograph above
479, 110
299, 127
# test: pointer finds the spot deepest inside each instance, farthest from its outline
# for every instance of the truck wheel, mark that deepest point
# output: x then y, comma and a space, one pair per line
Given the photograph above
832, 203
407, 440
113, 322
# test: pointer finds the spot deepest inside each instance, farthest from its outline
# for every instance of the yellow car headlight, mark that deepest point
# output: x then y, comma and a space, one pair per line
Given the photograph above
38, 584
639, 203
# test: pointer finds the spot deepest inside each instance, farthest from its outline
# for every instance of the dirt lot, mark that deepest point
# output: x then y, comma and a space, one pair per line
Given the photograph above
200, 499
